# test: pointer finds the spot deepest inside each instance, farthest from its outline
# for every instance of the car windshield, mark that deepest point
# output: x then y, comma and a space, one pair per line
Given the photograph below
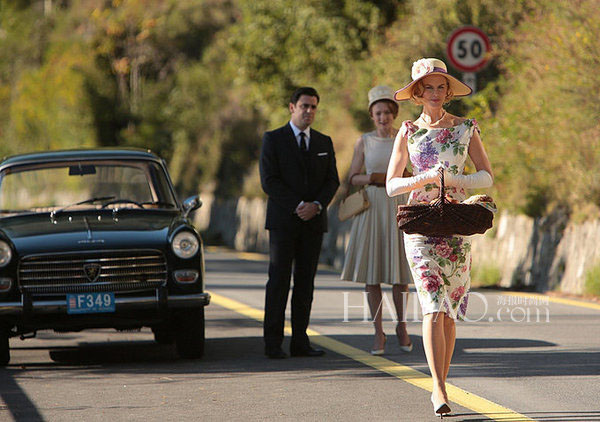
77, 185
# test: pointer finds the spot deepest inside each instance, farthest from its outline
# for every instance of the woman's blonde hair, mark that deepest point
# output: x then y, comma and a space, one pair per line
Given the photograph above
419, 87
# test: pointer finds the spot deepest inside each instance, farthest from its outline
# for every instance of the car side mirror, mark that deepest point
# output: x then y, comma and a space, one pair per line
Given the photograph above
191, 204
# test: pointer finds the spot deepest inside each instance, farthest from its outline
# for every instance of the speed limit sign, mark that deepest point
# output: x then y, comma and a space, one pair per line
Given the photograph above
468, 49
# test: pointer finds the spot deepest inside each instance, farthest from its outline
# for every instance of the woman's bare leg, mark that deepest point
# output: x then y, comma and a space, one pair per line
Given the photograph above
398, 293
374, 298
434, 342
450, 337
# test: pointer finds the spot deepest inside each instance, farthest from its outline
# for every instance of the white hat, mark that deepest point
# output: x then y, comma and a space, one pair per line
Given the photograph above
425, 67
379, 93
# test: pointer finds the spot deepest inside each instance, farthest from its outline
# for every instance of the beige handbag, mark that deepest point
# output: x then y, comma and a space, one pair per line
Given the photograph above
353, 205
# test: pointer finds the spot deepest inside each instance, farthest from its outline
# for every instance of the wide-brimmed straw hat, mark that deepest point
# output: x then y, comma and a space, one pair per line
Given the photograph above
426, 67
380, 93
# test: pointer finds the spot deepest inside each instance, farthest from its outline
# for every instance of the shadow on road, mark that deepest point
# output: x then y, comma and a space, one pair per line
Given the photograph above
243, 356
473, 357
16, 401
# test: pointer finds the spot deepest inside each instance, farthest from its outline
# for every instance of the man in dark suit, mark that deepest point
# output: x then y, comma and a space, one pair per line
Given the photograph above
298, 173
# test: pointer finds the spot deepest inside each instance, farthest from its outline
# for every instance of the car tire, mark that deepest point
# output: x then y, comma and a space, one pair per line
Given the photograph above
189, 334
4, 348
163, 335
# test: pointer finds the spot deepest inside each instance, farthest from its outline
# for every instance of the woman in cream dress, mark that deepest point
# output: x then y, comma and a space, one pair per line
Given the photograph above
375, 251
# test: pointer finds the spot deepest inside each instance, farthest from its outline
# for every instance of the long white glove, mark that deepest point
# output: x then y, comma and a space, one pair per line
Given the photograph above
397, 185
480, 179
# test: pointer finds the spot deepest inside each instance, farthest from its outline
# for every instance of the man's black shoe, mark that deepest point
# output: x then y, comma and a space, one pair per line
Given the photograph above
275, 353
307, 351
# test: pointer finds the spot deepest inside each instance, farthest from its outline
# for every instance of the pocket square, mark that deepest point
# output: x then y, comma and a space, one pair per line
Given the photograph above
322, 154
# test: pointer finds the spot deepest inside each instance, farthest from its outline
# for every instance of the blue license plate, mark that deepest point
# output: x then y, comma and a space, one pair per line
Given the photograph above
86, 303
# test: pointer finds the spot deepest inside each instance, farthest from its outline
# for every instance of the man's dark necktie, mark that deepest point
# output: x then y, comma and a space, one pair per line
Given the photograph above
303, 142
305, 158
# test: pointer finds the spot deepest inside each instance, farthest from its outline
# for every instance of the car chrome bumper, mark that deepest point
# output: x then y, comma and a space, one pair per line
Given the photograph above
121, 303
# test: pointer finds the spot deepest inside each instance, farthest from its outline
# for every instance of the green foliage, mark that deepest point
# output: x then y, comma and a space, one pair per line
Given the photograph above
277, 46
19, 35
198, 81
48, 110
152, 86
592, 281
546, 124
486, 275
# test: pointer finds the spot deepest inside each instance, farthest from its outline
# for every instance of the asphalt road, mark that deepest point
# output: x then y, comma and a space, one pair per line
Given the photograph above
521, 357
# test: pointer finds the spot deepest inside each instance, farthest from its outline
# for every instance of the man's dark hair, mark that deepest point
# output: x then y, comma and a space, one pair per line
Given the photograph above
305, 90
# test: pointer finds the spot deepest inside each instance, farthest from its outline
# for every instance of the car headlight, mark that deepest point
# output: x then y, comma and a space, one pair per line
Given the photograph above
185, 244
5, 253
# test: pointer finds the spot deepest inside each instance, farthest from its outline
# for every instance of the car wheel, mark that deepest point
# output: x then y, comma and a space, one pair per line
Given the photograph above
4, 348
189, 335
163, 335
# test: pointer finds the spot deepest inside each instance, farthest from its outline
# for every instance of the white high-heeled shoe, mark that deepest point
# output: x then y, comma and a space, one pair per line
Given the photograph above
440, 408
379, 352
408, 348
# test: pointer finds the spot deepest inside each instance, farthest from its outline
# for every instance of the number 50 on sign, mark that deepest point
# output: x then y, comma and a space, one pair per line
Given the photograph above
468, 49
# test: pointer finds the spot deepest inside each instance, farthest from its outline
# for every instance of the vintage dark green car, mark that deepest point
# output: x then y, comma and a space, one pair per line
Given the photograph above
97, 239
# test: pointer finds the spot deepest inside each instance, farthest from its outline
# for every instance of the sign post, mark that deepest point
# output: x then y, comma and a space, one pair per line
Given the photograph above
468, 50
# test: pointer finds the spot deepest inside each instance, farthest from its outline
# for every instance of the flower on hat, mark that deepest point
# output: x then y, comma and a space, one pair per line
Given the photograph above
421, 67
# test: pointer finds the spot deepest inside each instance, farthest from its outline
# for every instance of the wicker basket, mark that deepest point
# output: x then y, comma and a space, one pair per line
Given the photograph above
444, 218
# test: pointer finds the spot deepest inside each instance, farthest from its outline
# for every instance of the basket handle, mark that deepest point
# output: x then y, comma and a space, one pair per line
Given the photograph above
442, 185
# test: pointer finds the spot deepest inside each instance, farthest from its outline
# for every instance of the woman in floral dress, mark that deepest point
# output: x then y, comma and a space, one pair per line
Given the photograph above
440, 266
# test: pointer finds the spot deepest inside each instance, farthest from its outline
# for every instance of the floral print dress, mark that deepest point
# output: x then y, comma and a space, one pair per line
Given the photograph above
440, 266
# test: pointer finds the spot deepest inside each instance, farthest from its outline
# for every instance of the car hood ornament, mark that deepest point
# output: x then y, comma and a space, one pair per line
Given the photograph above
90, 238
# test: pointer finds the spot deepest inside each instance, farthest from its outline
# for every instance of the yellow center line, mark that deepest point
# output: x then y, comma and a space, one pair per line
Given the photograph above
459, 396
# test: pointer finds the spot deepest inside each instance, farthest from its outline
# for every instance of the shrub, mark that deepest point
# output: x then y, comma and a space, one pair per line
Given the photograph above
592, 281
486, 275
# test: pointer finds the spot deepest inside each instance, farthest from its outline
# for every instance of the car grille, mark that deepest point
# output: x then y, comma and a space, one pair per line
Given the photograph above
107, 271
